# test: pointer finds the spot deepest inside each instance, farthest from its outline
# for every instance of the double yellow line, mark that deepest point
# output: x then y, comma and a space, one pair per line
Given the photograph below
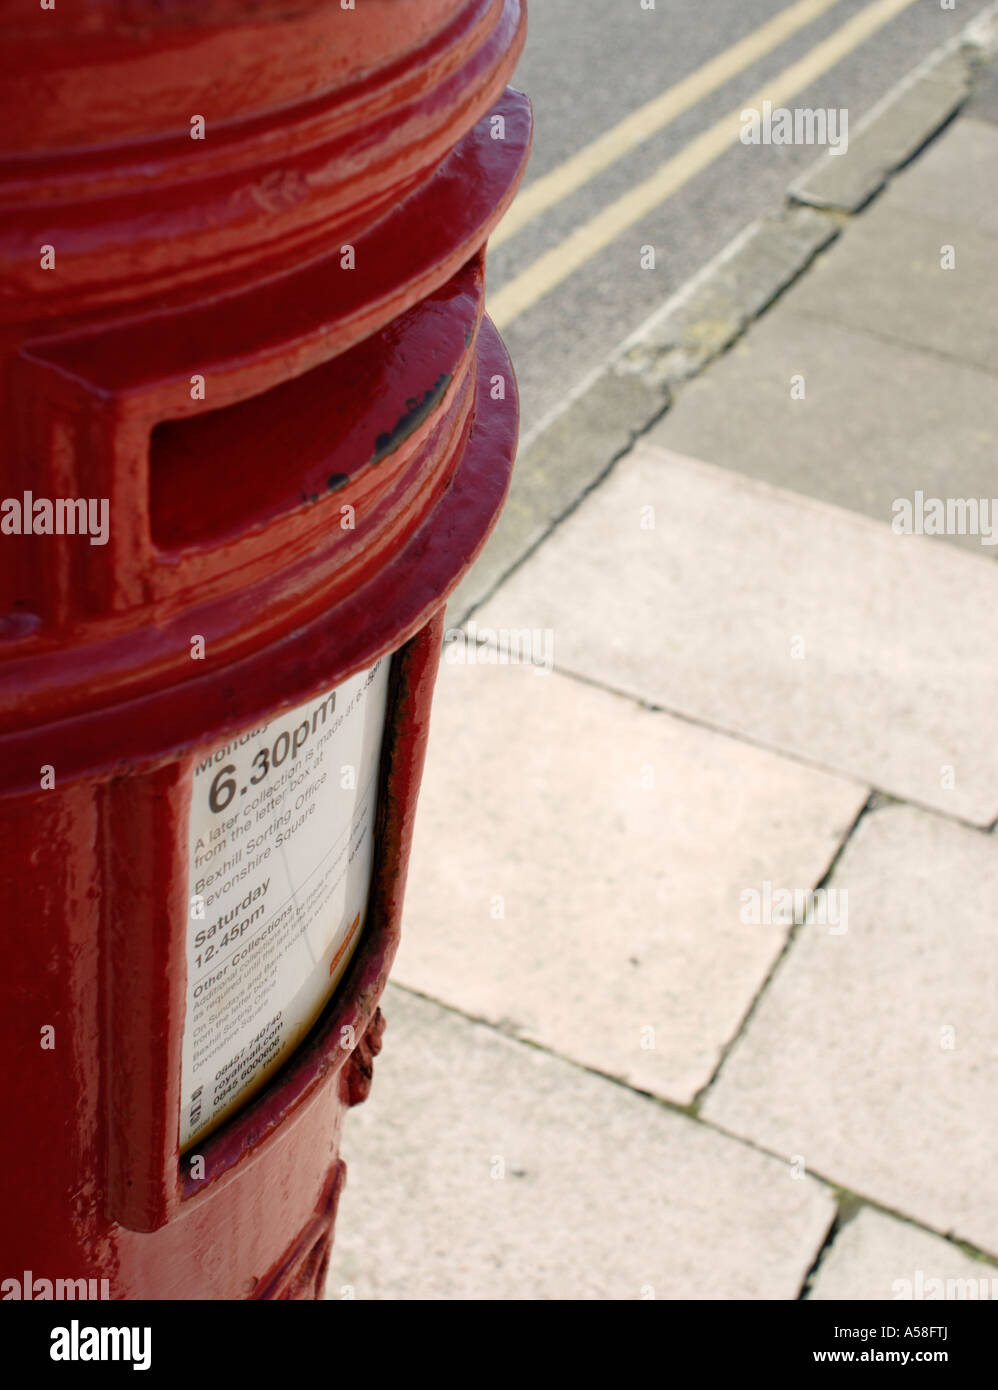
556, 265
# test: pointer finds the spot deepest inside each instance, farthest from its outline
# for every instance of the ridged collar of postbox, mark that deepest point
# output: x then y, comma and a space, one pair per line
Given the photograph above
305, 148
332, 310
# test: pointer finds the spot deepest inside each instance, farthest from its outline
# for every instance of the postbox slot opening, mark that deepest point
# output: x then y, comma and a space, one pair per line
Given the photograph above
216, 475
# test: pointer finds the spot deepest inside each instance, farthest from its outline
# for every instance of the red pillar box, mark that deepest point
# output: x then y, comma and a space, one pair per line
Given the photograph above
255, 429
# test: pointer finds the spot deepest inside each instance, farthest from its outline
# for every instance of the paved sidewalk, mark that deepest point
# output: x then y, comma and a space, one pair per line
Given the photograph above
614, 1067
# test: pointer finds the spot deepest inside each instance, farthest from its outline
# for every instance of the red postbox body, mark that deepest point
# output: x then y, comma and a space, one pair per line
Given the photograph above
241, 323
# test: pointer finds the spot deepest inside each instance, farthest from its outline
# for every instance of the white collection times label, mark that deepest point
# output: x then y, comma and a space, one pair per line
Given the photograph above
280, 846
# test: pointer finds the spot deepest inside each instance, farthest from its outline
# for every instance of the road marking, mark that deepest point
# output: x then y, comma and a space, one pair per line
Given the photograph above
647, 120
556, 265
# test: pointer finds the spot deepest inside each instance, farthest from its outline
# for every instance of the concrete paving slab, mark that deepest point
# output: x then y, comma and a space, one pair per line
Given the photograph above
873, 1054
591, 899
983, 104
775, 617
690, 330
566, 455
878, 421
570, 455
889, 137
876, 1257
912, 397
888, 278
482, 1168
955, 178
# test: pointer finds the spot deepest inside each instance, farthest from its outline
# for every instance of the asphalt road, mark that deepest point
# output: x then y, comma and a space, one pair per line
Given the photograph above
588, 65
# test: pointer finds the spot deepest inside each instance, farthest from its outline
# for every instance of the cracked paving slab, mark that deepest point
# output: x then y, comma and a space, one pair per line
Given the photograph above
874, 1053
